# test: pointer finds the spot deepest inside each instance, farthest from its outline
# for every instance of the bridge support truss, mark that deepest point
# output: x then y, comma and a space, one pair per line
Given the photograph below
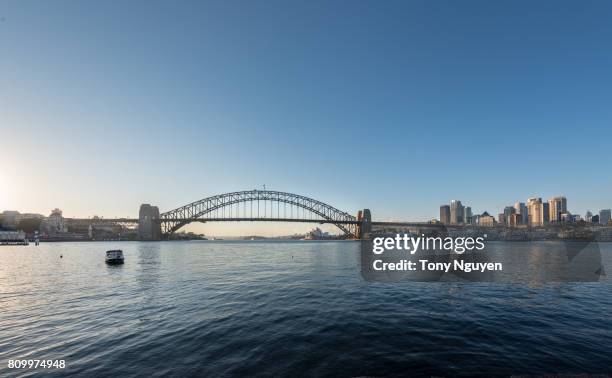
260, 205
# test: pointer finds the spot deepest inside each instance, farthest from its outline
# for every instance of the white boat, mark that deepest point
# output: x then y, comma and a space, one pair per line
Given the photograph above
114, 257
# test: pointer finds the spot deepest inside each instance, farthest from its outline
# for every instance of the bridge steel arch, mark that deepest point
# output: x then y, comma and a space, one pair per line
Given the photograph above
201, 210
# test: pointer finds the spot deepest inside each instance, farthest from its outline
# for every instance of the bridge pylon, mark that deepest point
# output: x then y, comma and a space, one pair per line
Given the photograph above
149, 226
364, 225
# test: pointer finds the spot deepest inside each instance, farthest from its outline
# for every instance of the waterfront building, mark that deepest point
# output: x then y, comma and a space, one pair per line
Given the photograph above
501, 218
445, 214
28, 216
508, 211
557, 206
565, 217
104, 231
595, 218
486, 220
514, 220
54, 224
468, 215
476, 219
588, 216
9, 219
538, 211
522, 210
14, 220
456, 212
545, 212
604, 216
12, 237
317, 234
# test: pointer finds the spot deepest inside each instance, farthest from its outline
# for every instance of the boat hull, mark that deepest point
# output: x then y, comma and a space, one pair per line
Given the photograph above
114, 261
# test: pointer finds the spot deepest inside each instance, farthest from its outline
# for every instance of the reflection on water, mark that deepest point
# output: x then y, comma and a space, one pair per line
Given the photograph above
295, 308
509, 262
541, 262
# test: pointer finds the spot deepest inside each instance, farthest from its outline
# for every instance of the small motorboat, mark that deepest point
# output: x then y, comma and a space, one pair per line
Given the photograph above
114, 257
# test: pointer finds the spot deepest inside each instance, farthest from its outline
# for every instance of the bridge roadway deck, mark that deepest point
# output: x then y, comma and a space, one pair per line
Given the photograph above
320, 221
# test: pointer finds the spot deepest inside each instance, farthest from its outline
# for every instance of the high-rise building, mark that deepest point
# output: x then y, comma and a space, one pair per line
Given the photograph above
476, 219
456, 212
545, 212
508, 211
468, 215
588, 217
514, 220
604, 216
445, 214
535, 209
501, 218
556, 206
522, 210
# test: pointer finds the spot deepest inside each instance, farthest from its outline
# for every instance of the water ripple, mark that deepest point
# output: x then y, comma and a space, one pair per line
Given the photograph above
248, 309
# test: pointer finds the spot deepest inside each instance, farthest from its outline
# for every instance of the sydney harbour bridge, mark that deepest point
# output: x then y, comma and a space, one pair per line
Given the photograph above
252, 206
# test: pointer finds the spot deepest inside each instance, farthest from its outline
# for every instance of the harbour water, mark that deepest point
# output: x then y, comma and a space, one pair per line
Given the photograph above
232, 308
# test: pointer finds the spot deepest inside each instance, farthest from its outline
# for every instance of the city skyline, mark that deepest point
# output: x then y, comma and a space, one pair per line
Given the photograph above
455, 213
131, 215
395, 106
534, 212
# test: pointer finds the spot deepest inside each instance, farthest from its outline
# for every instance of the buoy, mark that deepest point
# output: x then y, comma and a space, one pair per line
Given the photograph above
61, 256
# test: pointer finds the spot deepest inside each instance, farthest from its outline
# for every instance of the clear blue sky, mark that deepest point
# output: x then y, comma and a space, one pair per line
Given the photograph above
397, 106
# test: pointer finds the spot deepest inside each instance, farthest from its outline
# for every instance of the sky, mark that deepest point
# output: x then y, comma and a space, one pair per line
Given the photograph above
396, 106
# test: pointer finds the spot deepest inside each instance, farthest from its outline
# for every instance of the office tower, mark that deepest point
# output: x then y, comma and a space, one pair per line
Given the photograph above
588, 217
535, 209
557, 206
456, 212
508, 211
445, 214
501, 218
514, 220
604, 216
476, 219
468, 215
522, 210
545, 213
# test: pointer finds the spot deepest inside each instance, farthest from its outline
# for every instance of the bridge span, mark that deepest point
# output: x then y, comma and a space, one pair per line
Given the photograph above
254, 206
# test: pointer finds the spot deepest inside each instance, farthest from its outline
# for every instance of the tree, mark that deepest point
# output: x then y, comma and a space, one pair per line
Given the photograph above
29, 225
